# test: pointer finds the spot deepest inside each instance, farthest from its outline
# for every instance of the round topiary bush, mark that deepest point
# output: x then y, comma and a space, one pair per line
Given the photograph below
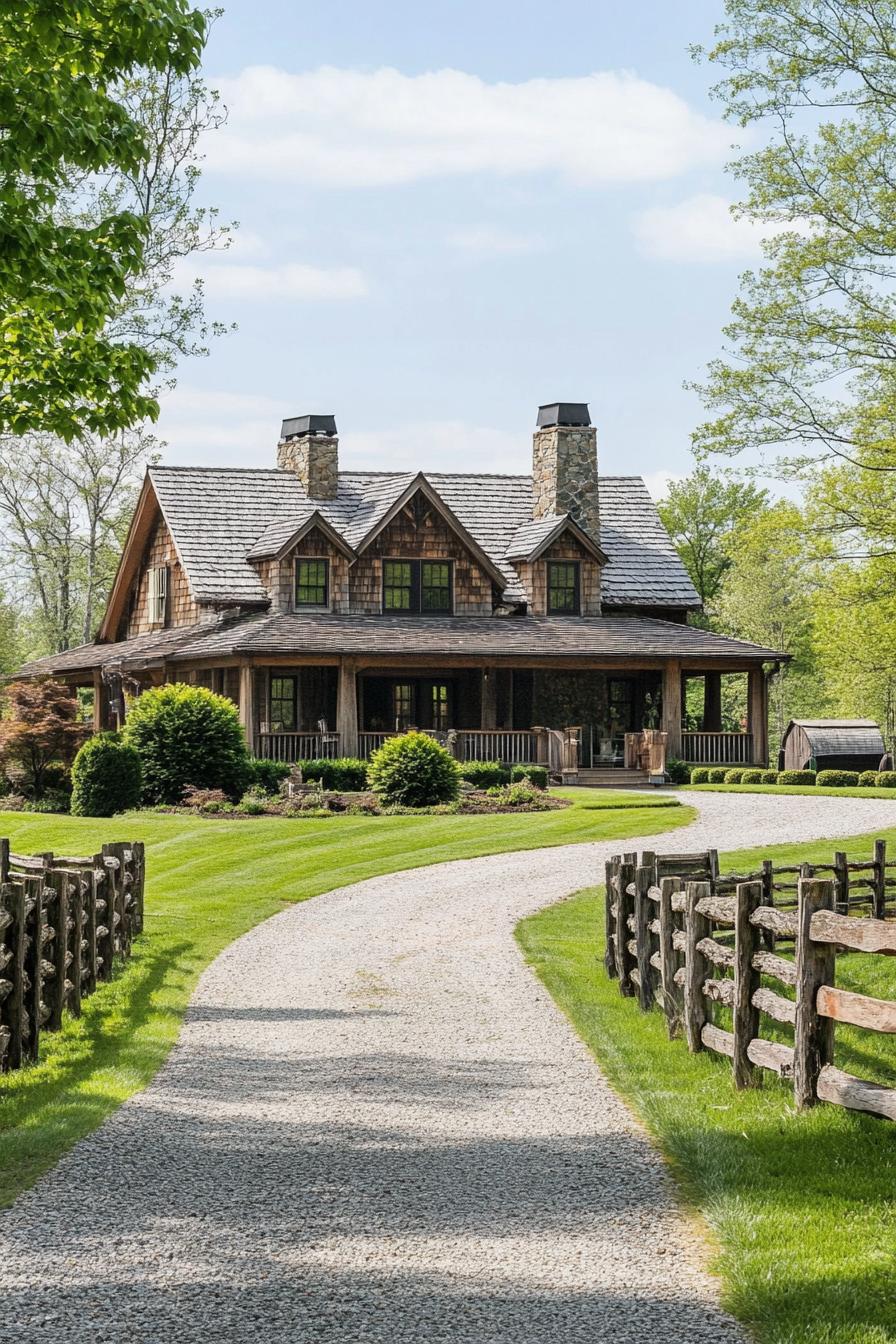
751, 776
717, 775
413, 771
186, 735
796, 776
837, 779
886, 779
700, 775
769, 776
484, 774
536, 774
733, 776
868, 779
106, 777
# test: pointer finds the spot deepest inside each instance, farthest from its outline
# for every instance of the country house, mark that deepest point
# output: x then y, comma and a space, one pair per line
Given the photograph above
336, 607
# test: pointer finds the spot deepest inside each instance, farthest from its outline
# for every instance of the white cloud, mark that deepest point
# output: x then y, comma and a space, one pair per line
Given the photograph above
702, 228
350, 128
225, 278
491, 242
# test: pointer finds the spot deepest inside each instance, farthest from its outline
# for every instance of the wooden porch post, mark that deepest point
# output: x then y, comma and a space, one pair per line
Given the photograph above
247, 703
347, 707
758, 714
489, 715
98, 724
672, 707
712, 702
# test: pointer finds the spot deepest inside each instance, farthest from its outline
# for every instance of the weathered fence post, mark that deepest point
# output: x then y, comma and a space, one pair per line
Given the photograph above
4, 861
610, 871
879, 888
625, 904
643, 915
815, 966
768, 898
673, 994
58, 883
76, 922
105, 922
697, 927
746, 982
139, 853
841, 878
33, 963
12, 988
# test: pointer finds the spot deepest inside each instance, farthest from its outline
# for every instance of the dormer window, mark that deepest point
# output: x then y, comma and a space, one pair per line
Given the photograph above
417, 587
564, 588
157, 595
312, 583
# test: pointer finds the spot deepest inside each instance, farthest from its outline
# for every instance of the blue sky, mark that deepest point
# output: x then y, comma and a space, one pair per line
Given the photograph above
452, 213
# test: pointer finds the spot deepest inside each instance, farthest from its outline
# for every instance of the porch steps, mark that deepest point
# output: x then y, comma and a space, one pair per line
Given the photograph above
612, 779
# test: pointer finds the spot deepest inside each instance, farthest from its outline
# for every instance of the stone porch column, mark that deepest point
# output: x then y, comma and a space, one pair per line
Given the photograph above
712, 702
671, 723
347, 707
757, 700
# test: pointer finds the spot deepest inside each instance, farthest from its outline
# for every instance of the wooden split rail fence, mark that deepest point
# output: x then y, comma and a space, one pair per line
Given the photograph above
63, 922
683, 937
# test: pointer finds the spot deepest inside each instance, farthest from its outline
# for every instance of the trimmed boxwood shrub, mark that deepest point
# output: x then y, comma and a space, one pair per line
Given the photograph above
345, 774
484, 774
187, 735
700, 775
717, 775
751, 776
769, 776
106, 777
733, 776
837, 779
677, 772
868, 779
267, 775
536, 774
886, 779
413, 770
796, 776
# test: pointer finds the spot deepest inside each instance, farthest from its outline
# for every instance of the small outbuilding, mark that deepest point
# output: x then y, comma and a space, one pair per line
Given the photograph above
831, 744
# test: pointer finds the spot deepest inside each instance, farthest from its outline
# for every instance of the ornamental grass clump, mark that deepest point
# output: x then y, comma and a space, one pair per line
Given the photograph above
413, 771
106, 777
186, 735
837, 779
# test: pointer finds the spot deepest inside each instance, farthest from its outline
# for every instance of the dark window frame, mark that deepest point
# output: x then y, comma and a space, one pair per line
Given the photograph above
417, 588
576, 589
276, 725
311, 560
401, 718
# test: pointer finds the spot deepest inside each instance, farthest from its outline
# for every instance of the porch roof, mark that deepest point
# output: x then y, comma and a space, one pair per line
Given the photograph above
601, 637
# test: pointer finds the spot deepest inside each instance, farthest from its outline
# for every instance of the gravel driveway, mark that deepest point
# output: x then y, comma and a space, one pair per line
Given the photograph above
376, 1126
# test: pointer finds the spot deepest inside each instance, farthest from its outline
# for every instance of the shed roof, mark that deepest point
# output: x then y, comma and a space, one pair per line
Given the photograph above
841, 737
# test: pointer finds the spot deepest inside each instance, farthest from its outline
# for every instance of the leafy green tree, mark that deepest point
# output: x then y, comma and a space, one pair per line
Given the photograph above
768, 598
810, 371
61, 371
700, 514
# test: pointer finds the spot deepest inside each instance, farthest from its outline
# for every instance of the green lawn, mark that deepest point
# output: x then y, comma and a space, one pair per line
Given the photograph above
810, 789
208, 882
803, 1208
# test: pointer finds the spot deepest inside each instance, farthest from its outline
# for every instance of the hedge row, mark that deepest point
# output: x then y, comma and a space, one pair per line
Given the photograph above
825, 779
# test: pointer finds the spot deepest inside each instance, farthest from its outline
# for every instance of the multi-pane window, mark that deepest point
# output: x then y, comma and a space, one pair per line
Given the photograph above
283, 704
157, 595
417, 586
563, 588
621, 697
440, 707
312, 583
402, 704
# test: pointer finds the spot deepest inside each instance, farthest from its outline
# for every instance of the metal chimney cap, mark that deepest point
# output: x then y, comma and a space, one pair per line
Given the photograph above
300, 425
572, 413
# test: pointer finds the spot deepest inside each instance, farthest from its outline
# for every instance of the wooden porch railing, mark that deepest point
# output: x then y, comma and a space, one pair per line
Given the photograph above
717, 748
510, 746
292, 747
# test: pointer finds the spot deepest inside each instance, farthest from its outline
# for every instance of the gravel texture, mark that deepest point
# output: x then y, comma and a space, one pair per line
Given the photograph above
376, 1126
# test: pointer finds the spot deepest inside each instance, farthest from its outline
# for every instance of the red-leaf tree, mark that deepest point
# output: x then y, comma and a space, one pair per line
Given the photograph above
40, 728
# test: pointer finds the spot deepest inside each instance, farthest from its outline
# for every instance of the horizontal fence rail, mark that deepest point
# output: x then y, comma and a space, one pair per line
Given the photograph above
698, 748
63, 923
683, 937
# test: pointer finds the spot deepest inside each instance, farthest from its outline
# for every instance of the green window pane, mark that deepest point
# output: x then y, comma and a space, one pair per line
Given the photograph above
398, 585
435, 586
563, 588
311, 583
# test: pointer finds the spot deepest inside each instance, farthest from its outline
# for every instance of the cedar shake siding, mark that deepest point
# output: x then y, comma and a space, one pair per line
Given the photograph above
180, 609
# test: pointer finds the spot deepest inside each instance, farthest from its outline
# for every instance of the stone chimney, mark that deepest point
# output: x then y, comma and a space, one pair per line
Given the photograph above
564, 465
309, 448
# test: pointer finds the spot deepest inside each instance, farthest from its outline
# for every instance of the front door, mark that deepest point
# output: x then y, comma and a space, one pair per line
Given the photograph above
394, 704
